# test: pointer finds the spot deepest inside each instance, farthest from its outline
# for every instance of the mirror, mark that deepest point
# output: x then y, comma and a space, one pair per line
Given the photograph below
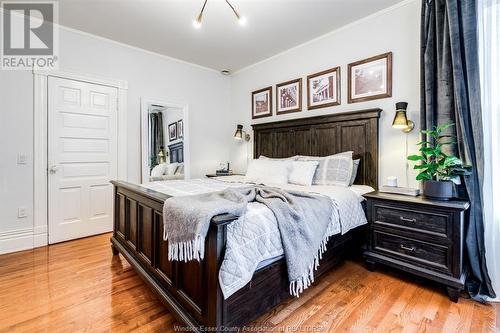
162, 142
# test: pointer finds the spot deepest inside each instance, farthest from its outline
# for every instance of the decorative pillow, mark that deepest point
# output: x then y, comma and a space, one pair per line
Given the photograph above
180, 169
332, 170
355, 165
268, 171
303, 172
171, 168
158, 170
291, 158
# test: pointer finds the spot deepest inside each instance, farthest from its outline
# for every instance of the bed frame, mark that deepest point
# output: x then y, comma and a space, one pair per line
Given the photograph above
191, 290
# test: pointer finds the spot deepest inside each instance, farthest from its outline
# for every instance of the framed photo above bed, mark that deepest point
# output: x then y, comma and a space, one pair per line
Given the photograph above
370, 78
262, 103
172, 131
289, 96
180, 129
323, 89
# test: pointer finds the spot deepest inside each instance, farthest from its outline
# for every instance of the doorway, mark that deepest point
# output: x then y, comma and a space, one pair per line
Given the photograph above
79, 121
82, 158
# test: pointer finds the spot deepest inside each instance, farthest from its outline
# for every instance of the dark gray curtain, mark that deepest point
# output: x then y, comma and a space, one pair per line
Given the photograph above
156, 136
450, 93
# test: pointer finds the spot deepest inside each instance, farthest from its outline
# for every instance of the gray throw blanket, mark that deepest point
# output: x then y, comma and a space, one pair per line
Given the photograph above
303, 220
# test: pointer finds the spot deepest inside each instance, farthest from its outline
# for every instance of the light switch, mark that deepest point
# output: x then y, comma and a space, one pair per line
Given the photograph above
22, 158
22, 212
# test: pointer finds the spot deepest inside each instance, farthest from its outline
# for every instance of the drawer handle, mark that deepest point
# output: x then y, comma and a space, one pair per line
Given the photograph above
407, 248
407, 220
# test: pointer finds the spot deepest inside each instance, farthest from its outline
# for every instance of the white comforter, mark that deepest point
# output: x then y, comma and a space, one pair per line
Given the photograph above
254, 238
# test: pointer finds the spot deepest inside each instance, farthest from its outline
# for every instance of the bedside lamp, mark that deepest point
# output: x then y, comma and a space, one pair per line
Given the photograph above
400, 120
240, 134
405, 125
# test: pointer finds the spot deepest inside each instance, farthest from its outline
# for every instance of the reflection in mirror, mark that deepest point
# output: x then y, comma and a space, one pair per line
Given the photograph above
164, 144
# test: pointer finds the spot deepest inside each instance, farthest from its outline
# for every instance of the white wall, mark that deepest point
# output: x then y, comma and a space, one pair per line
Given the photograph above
205, 91
216, 103
395, 29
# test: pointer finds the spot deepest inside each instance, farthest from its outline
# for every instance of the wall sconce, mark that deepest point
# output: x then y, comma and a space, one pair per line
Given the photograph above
400, 120
240, 134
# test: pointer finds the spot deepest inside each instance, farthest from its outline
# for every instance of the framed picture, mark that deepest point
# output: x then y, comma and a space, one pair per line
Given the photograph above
172, 132
289, 96
180, 129
323, 89
262, 103
370, 78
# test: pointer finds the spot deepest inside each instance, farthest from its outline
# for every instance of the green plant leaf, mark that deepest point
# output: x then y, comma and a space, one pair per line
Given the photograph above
441, 128
422, 166
416, 158
424, 176
429, 132
427, 151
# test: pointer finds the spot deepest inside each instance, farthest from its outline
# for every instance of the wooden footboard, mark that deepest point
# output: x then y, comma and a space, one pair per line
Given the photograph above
191, 290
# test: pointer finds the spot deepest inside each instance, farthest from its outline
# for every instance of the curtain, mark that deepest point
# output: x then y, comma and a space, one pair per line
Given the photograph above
156, 137
450, 93
489, 61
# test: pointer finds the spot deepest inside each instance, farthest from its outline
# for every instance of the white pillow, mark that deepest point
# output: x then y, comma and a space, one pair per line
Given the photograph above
291, 158
180, 169
332, 170
303, 172
158, 170
171, 168
355, 165
268, 171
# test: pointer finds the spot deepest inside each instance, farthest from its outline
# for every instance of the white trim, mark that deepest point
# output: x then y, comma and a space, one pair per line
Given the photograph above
39, 234
120, 84
16, 240
145, 102
14, 233
328, 34
135, 48
40, 156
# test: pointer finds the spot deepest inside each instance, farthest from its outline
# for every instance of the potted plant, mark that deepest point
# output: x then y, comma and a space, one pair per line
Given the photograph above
438, 171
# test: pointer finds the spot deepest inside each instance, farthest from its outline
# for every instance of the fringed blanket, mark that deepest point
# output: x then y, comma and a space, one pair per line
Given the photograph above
303, 220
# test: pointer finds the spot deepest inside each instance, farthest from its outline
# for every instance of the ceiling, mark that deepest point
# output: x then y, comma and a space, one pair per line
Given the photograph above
165, 26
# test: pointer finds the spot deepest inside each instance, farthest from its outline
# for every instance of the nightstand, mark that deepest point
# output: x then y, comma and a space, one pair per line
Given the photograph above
212, 175
419, 236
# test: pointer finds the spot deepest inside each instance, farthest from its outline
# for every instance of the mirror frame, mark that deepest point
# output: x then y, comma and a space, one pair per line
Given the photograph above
145, 104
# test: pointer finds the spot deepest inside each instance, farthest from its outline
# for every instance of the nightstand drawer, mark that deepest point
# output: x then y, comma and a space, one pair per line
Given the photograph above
428, 255
431, 222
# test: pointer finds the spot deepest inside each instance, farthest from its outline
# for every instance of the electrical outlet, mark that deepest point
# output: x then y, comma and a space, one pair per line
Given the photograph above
22, 158
22, 212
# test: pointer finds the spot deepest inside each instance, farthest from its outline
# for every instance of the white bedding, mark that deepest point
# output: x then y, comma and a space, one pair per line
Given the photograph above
254, 239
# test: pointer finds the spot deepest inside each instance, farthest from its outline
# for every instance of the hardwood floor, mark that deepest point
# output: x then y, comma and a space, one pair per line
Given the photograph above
79, 286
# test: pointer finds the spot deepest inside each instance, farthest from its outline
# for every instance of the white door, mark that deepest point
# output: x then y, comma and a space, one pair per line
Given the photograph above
82, 158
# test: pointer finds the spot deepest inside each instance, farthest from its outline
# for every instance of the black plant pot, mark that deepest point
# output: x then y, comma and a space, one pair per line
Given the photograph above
439, 190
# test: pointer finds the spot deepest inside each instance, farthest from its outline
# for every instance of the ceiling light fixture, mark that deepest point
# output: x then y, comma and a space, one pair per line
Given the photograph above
197, 23
241, 19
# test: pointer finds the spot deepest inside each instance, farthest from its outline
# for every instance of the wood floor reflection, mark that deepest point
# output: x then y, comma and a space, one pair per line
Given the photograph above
79, 286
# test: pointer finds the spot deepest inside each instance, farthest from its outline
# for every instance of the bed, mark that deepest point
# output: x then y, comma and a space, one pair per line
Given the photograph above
191, 289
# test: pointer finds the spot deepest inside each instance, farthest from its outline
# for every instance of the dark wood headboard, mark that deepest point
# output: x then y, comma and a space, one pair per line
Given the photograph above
176, 152
323, 136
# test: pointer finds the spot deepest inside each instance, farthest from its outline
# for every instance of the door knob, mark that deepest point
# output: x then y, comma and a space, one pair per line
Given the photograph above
53, 169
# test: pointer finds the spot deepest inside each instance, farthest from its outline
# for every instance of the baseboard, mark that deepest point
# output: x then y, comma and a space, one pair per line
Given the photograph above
16, 241
19, 240
40, 236
40, 240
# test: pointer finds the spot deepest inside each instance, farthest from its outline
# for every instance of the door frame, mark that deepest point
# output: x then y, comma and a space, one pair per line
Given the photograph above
145, 102
40, 139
